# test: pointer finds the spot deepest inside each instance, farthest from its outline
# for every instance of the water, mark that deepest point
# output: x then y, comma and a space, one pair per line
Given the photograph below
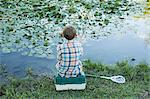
114, 48
108, 50
130, 39
17, 64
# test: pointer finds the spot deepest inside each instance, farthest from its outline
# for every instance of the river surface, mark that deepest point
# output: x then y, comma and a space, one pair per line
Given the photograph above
108, 51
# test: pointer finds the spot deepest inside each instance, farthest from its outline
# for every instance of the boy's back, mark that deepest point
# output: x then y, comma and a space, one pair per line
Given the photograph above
68, 55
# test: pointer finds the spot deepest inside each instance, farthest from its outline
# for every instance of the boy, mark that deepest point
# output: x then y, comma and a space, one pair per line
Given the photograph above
68, 55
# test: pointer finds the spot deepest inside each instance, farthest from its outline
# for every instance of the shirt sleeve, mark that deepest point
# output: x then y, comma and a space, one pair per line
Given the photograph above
59, 52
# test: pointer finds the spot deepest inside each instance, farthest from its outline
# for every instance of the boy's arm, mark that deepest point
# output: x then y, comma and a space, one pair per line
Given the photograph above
81, 49
58, 52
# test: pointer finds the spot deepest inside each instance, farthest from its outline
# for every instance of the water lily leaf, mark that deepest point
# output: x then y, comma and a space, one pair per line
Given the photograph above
33, 24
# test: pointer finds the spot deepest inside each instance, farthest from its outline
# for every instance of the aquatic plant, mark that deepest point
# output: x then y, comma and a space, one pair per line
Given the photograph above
32, 26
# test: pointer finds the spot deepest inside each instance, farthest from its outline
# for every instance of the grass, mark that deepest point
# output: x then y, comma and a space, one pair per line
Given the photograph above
42, 87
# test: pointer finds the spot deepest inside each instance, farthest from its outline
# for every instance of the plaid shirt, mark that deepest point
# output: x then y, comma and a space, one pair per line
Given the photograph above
68, 56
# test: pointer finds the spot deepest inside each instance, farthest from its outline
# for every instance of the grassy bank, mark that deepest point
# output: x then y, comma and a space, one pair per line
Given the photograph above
42, 87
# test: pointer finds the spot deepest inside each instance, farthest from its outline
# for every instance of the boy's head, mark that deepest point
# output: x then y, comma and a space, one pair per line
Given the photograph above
69, 32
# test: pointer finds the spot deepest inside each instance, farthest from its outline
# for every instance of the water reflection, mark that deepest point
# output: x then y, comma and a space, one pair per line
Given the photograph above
118, 47
146, 38
17, 64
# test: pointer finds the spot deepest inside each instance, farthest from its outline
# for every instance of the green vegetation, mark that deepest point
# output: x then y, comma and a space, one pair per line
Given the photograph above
42, 87
25, 21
